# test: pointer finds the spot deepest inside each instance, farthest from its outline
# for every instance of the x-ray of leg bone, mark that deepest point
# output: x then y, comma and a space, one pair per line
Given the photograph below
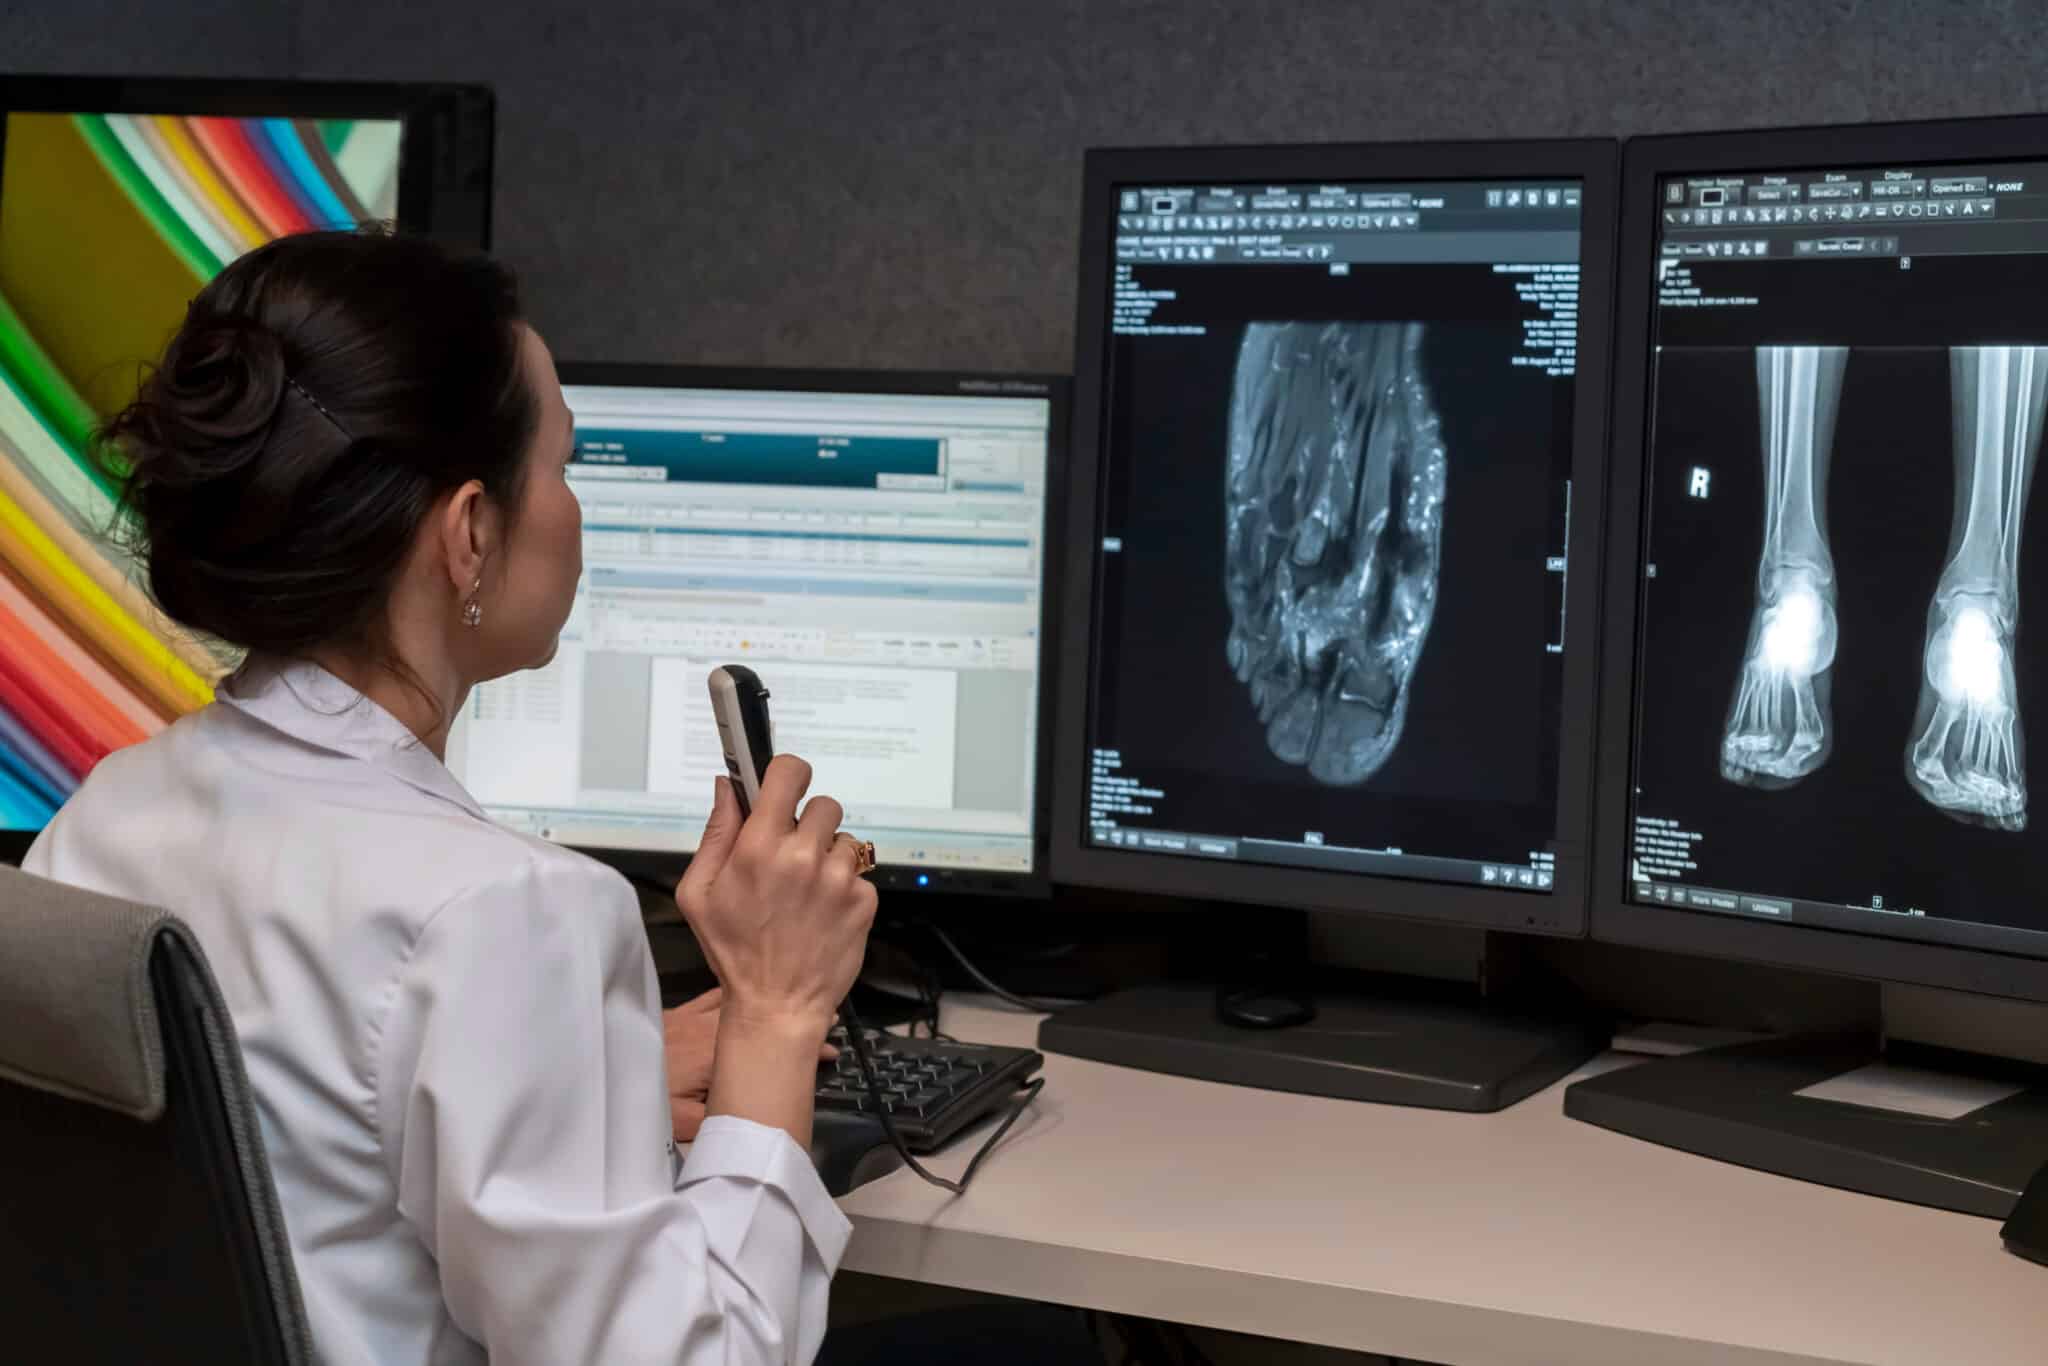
1333, 532
1779, 728
1969, 758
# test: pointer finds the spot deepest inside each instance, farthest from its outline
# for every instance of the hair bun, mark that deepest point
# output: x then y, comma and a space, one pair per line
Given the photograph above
206, 410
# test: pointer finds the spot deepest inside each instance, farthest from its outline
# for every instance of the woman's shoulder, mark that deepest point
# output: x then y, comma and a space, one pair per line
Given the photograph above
535, 900
498, 866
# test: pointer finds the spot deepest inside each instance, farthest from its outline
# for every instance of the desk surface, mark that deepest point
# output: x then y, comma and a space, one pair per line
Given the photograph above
1480, 1240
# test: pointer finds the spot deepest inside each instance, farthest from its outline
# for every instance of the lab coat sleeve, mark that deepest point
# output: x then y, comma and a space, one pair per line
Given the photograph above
522, 1103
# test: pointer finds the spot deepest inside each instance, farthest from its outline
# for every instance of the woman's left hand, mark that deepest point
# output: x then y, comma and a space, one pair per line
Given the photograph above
690, 1039
690, 1042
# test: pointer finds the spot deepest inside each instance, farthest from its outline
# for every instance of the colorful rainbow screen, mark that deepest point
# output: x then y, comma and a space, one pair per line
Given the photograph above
109, 224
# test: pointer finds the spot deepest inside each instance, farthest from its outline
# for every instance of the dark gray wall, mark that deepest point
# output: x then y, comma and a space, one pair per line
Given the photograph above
797, 182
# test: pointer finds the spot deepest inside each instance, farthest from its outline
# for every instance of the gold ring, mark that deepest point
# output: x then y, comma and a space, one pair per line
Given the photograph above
863, 857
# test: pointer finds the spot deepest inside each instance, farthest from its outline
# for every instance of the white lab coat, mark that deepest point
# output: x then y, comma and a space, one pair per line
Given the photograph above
453, 1033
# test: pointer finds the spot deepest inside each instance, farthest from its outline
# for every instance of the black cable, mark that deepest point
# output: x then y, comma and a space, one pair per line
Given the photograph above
1031, 1003
924, 976
856, 1038
932, 989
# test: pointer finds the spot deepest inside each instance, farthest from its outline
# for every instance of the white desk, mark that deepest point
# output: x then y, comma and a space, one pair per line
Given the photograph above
1475, 1240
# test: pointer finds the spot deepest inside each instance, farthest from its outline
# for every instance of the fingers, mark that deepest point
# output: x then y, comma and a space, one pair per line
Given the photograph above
820, 821
705, 1004
827, 1053
844, 849
685, 1118
721, 832
788, 779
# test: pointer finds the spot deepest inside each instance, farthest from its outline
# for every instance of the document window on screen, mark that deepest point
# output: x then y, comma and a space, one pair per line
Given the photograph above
876, 558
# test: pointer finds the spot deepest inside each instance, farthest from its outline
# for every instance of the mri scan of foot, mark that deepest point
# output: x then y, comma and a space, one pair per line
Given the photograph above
1779, 727
1969, 757
1334, 511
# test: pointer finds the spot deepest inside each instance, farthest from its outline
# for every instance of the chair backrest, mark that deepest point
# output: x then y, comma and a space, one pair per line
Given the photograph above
138, 1220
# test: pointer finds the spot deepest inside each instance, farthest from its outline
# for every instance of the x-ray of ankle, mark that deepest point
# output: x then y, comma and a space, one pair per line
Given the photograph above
1334, 513
1969, 756
1779, 728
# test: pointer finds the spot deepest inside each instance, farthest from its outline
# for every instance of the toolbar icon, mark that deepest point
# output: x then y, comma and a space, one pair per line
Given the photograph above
1514, 199
1493, 199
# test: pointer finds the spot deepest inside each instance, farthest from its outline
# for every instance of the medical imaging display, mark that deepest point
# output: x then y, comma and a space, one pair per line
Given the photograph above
1334, 517
1837, 670
1336, 495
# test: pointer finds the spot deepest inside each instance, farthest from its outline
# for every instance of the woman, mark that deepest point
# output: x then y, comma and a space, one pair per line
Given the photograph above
351, 464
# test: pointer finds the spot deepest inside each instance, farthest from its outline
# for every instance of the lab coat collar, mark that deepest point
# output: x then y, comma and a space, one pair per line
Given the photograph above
311, 705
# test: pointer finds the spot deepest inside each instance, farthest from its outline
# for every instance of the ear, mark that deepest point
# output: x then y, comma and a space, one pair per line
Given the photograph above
469, 533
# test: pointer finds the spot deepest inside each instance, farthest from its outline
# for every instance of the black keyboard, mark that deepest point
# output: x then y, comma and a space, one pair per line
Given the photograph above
932, 1089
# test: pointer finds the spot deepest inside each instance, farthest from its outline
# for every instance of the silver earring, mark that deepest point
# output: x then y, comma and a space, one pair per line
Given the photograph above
472, 610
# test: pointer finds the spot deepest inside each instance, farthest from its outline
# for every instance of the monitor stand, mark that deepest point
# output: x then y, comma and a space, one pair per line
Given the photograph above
1908, 1122
1397, 1041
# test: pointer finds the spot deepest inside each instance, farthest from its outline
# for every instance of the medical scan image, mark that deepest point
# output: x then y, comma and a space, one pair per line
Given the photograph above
1333, 511
1778, 725
1966, 756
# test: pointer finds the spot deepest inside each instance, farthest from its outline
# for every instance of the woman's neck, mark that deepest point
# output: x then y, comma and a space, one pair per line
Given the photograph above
424, 704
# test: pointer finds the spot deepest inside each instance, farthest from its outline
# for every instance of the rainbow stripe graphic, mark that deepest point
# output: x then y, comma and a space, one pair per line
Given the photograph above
109, 224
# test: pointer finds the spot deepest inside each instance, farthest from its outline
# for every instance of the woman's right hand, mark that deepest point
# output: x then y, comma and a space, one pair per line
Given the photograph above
776, 905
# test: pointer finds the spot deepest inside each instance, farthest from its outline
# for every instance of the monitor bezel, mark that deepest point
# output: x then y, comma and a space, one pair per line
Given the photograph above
1615, 918
1592, 162
446, 170
903, 878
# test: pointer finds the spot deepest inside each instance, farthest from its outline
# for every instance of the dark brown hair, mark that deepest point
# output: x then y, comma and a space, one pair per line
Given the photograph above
324, 391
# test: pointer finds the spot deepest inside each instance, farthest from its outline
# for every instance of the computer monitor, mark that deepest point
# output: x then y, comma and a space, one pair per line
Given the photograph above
1337, 490
1822, 660
119, 199
873, 544
1335, 526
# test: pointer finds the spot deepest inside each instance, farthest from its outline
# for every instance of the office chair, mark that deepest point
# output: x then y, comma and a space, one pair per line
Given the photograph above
138, 1220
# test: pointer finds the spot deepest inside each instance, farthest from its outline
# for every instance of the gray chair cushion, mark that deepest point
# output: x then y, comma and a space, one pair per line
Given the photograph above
77, 1016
